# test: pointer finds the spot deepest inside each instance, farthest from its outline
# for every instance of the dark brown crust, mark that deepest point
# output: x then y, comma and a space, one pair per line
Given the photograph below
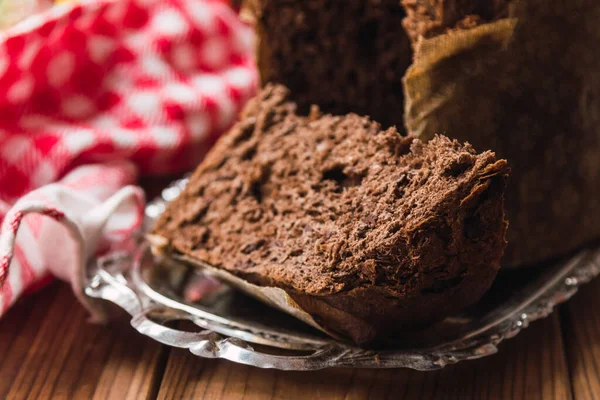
345, 56
428, 18
370, 231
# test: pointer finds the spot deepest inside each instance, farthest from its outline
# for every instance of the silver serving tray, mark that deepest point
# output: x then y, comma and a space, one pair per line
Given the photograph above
228, 324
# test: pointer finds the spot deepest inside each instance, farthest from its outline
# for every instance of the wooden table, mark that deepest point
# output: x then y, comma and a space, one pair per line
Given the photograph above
47, 349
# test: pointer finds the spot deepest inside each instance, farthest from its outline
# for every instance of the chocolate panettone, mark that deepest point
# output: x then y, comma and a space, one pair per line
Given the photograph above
369, 232
527, 87
345, 56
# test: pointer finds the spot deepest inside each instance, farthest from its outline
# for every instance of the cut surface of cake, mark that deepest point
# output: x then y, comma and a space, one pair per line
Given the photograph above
345, 56
368, 231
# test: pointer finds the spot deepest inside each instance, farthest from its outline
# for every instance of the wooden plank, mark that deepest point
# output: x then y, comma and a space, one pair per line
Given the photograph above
581, 327
532, 365
49, 350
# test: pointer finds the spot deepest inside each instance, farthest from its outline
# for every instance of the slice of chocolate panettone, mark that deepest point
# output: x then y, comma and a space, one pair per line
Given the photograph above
367, 231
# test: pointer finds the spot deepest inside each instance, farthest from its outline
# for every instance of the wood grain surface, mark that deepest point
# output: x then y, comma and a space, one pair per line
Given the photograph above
581, 330
48, 350
534, 363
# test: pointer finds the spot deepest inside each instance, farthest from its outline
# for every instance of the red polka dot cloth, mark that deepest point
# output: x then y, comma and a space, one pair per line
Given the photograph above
92, 94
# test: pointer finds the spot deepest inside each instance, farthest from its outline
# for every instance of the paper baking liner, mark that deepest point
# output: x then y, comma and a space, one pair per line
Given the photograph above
270, 295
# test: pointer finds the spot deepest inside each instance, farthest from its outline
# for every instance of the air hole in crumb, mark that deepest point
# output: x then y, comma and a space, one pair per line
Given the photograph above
362, 232
256, 191
401, 183
342, 180
398, 193
220, 164
245, 133
249, 153
459, 167
198, 217
251, 247
201, 239
256, 187
394, 228
274, 210
296, 253
335, 174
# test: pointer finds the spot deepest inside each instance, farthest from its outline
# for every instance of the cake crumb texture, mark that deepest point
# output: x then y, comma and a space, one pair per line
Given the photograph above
356, 222
345, 56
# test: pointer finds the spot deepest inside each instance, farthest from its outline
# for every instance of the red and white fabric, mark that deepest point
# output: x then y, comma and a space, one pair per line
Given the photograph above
93, 94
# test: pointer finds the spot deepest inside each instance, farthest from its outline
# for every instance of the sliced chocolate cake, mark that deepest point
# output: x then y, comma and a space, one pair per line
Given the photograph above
345, 56
368, 231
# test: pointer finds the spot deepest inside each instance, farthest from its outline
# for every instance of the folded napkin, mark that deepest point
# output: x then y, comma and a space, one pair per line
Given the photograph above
92, 94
